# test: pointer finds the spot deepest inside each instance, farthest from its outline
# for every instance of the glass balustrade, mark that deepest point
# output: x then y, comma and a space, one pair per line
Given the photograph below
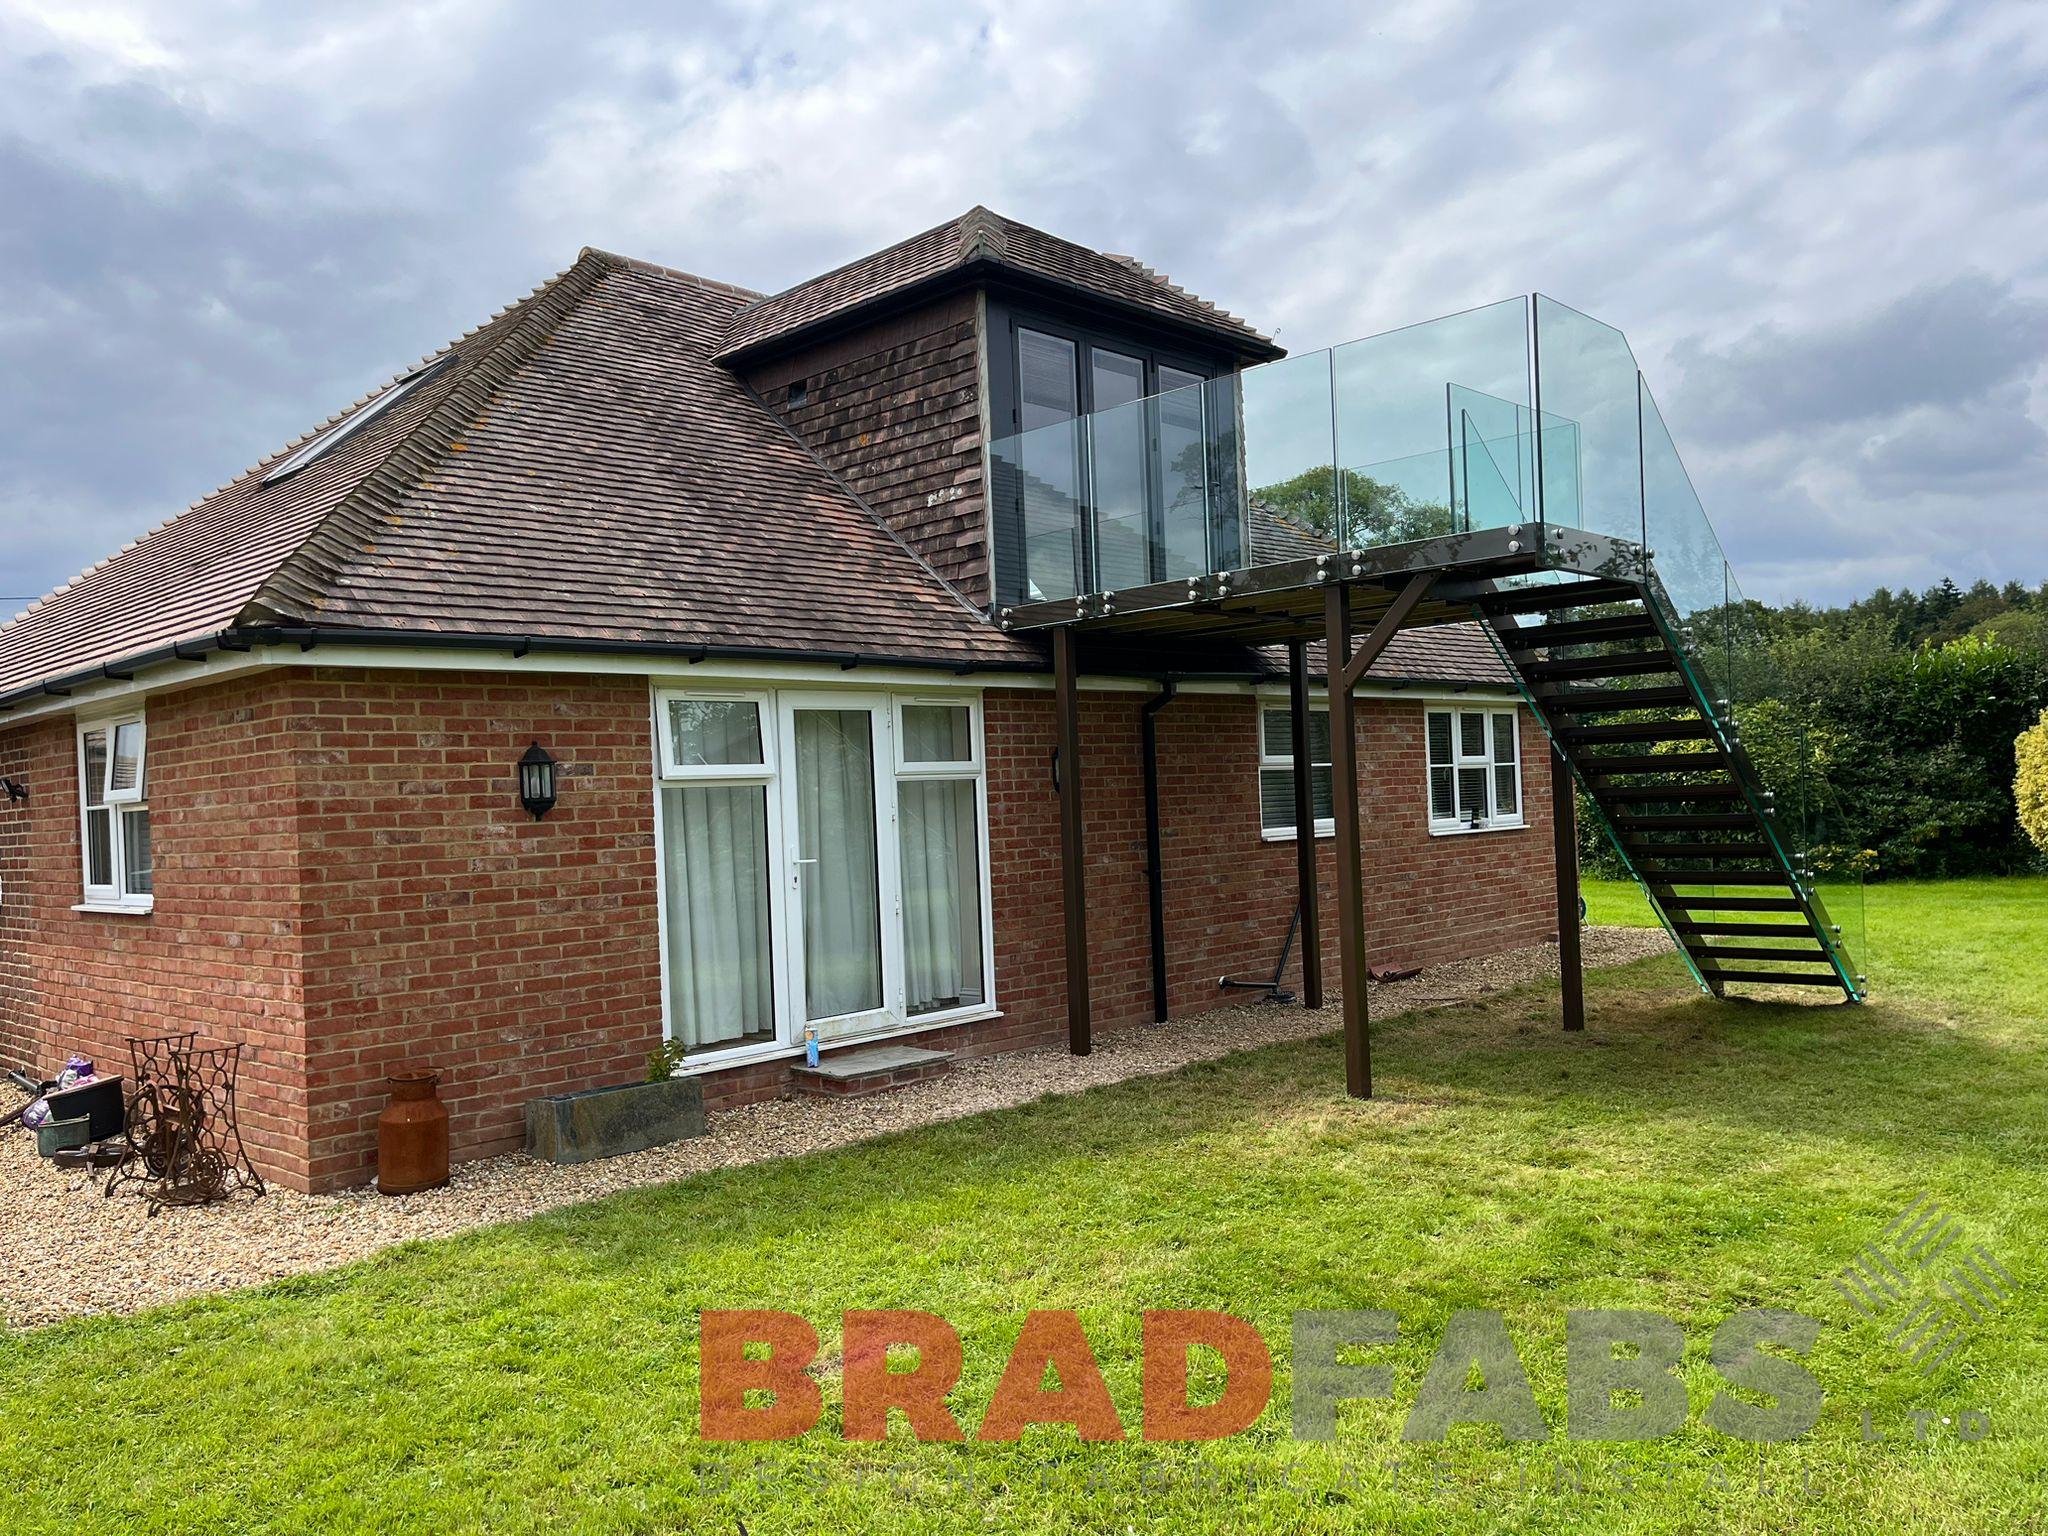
1524, 412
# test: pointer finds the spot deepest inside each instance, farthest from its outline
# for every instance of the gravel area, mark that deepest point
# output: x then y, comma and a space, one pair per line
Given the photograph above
71, 1252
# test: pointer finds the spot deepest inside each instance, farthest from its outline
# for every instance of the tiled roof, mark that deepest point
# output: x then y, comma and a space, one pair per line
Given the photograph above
1276, 537
583, 472
1457, 654
979, 235
189, 577
620, 486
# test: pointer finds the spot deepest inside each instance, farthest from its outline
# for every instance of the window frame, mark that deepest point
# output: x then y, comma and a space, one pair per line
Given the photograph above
356, 421
974, 768
1326, 826
777, 784
669, 769
117, 805
1088, 331
1458, 824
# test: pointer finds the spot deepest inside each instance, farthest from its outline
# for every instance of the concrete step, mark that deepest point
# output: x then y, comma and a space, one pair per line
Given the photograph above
851, 1074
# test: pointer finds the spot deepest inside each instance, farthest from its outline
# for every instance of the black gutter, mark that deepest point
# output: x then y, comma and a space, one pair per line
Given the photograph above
1155, 882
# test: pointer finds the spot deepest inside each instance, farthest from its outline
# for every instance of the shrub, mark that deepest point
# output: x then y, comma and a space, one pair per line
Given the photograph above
2030, 784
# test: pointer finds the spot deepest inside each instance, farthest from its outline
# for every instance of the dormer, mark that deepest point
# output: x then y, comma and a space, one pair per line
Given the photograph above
900, 369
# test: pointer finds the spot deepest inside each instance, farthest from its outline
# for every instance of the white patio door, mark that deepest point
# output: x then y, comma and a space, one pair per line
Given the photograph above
845, 956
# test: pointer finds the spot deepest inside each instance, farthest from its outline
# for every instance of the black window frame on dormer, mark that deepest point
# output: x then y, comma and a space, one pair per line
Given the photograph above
1085, 329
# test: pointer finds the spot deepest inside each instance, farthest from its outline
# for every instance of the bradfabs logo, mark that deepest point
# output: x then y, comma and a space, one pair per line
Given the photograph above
1610, 1396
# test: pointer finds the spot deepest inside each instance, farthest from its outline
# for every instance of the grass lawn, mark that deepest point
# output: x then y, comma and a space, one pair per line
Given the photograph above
1683, 1156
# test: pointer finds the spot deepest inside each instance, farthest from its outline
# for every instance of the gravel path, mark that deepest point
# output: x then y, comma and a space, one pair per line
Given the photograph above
71, 1252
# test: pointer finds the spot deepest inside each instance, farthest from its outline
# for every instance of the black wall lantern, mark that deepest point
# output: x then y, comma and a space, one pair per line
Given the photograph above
16, 790
537, 781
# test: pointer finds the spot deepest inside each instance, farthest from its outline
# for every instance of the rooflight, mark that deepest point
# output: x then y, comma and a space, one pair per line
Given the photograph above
341, 431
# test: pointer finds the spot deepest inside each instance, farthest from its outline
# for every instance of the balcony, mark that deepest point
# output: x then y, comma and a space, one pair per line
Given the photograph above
1522, 413
1510, 466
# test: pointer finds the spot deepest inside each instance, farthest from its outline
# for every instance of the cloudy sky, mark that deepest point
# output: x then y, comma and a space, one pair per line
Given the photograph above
1824, 226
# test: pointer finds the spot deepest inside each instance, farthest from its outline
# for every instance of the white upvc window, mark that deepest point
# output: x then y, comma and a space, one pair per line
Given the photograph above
1276, 771
824, 866
1475, 769
941, 811
113, 813
721, 858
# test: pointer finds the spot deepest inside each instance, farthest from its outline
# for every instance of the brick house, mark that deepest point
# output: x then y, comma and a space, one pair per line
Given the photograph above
739, 565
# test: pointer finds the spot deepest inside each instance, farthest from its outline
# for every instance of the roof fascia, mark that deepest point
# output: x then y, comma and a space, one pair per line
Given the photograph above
986, 271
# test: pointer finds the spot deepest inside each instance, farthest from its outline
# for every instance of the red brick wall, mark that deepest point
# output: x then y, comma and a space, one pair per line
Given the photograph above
895, 411
445, 927
219, 955
347, 884
1229, 893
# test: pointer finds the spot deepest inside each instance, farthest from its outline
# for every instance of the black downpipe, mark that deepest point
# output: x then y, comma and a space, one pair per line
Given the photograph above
1155, 885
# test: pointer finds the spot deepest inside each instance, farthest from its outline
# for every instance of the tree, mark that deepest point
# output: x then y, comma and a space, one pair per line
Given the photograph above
2030, 783
2023, 629
1374, 511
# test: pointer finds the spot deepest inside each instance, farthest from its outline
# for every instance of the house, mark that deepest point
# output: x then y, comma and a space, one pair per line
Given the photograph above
769, 587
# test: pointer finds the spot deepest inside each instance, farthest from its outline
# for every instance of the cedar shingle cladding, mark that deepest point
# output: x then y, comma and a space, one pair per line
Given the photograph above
895, 411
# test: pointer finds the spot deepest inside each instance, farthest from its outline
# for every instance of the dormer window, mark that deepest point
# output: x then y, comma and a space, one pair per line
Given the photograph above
349, 426
1111, 434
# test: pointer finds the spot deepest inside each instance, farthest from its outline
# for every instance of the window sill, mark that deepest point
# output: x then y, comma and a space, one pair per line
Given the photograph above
1460, 830
140, 908
1286, 834
747, 1055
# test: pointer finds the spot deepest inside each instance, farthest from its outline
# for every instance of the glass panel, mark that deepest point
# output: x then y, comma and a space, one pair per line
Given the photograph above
1503, 738
714, 732
1279, 728
99, 846
1439, 736
1506, 789
1471, 734
1047, 391
1442, 805
1118, 448
1471, 793
1493, 461
942, 964
835, 789
95, 769
127, 756
1280, 734
1686, 552
938, 733
1276, 797
1041, 478
716, 914
1393, 421
138, 876
1183, 472
1288, 464
1586, 386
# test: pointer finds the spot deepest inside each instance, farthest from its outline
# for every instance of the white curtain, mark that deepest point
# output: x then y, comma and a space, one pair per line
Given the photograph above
835, 786
941, 893
715, 862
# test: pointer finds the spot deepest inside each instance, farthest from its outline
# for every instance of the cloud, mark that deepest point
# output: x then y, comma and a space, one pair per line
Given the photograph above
1820, 223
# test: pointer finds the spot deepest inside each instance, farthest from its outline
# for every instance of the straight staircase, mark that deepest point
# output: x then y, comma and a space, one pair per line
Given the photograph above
1603, 663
